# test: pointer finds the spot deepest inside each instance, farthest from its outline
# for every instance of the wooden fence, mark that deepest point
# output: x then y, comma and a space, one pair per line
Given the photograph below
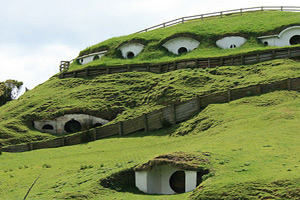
244, 59
220, 14
157, 119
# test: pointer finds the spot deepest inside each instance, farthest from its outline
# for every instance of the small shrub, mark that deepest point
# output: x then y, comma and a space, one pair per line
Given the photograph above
83, 167
46, 166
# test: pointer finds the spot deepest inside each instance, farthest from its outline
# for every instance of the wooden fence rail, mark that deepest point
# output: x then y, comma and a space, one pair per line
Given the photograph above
171, 114
220, 14
243, 59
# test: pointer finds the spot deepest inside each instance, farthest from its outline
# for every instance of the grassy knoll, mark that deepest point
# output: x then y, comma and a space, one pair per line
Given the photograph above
254, 151
250, 25
126, 95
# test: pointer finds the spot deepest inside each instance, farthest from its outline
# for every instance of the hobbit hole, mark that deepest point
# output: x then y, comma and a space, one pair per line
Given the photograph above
181, 45
96, 57
130, 55
295, 40
177, 182
131, 50
73, 126
182, 50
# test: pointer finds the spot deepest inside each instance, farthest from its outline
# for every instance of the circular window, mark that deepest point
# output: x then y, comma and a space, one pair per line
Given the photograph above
266, 43
47, 127
295, 40
177, 182
81, 61
130, 55
182, 50
232, 46
96, 57
72, 126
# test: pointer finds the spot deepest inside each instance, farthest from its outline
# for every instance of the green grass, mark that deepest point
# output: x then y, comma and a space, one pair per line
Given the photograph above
123, 96
250, 25
254, 151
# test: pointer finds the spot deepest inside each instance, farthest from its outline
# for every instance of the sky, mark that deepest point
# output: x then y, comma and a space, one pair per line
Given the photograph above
35, 35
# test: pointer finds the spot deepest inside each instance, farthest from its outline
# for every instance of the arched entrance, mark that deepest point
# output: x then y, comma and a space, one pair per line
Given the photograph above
295, 40
73, 126
47, 127
177, 181
182, 50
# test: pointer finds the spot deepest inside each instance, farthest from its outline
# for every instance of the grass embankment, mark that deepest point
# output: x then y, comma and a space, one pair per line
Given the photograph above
254, 151
126, 95
249, 25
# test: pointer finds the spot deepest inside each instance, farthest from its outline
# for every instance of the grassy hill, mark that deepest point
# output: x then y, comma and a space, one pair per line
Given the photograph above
253, 142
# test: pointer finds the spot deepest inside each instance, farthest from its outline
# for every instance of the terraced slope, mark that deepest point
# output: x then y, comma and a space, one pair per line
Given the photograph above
123, 96
253, 143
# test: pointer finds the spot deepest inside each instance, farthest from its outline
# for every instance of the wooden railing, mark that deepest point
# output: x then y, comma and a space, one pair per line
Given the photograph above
220, 14
242, 59
172, 114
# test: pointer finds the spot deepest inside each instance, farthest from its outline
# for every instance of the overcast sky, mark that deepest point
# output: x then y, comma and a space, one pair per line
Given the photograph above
36, 35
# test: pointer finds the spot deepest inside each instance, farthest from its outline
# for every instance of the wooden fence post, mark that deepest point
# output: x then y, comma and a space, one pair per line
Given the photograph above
107, 71
199, 103
86, 73
175, 65
289, 84
121, 131
273, 54
146, 127
0, 148
259, 89
30, 146
242, 60
173, 109
229, 95
129, 68
208, 63
63, 141
94, 134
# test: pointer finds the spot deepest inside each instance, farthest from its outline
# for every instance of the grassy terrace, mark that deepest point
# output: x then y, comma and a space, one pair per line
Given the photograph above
253, 143
126, 95
250, 25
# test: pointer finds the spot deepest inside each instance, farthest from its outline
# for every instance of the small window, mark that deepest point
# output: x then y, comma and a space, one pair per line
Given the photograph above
47, 127
177, 182
130, 55
182, 50
266, 43
96, 57
232, 46
295, 40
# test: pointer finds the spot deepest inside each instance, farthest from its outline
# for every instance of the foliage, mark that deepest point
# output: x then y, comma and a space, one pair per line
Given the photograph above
9, 90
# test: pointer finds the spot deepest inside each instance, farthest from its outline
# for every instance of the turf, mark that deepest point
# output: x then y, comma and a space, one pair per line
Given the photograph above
249, 25
123, 96
254, 151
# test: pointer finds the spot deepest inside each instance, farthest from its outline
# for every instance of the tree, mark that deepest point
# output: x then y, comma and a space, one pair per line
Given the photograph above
9, 90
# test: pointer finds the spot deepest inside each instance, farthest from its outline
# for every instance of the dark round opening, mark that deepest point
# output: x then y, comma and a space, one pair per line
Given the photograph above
182, 50
232, 46
97, 125
130, 54
177, 182
96, 57
266, 43
47, 127
72, 126
295, 40
81, 60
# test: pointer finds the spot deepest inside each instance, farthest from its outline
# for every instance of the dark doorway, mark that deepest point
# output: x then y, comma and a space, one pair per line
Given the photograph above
96, 57
232, 46
295, 40
47, 127
130, 54
72, 126
182, 50
177, 182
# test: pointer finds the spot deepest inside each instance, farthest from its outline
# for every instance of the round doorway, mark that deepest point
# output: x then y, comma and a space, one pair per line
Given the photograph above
177, 182
73, 126
295, 40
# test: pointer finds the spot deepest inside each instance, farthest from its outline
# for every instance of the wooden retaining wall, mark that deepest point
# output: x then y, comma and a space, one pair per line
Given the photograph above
244, 59
159, 118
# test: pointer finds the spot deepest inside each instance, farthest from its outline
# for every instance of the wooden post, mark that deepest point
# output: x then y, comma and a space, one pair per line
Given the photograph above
86, 73
182, 19
289, 84
199, 103
148, 68
289, 53
121, 131
202, 17
128, 68
0, 148
146, 127
242, 60
74, 74
259, 88
221, 61
229, 95
221, 14
63, 141
160, 68
273, 54
257, 57
175, 65
241, 11
262, 8
208, 63
232, 61
196, 63
173, 108
94, 134
281, 8
107, 71
30, 146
